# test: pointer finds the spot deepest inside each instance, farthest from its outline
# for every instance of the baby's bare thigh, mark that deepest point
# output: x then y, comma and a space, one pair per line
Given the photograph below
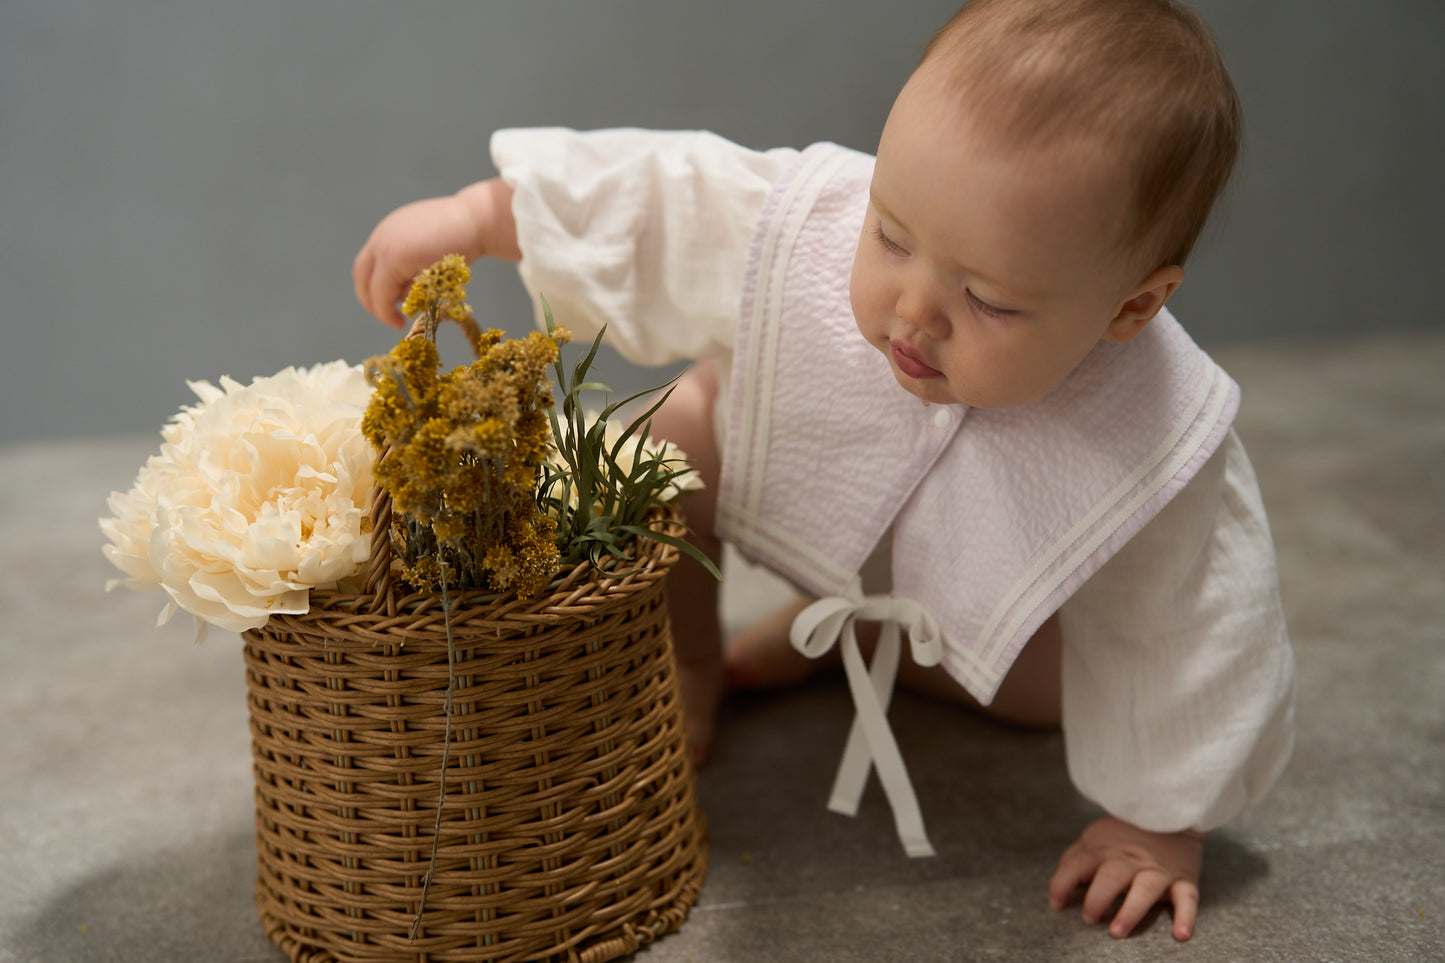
1029, 695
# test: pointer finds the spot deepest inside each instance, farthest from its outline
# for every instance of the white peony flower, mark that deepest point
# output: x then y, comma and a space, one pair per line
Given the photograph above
258, 495
673, 457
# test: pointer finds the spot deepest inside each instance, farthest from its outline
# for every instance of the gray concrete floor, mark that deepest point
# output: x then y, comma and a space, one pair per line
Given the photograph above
125, 807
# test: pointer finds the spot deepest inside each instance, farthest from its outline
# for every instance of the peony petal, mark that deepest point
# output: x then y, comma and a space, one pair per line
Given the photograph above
252, 499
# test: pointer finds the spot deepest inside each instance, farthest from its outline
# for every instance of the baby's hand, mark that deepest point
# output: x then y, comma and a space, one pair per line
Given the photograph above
1144, 867
406, 242
475, 222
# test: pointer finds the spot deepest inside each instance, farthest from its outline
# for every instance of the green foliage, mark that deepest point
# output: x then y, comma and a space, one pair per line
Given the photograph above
604, 485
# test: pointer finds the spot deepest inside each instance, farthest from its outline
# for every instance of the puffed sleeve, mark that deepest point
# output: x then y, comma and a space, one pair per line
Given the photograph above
644, 231
1178, 680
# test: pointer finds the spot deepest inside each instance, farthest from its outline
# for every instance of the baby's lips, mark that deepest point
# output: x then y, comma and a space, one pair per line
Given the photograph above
910, 363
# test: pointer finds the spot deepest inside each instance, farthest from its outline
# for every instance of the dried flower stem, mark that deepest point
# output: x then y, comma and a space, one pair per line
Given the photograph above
446, 753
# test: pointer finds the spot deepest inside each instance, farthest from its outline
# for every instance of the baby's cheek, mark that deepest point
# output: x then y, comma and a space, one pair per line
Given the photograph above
855, 289
869, 300
1002, 376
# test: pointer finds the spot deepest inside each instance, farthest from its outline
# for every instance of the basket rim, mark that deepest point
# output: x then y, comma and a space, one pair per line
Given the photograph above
584, 591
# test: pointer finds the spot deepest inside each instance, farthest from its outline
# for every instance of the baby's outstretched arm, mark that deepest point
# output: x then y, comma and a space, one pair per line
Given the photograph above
1116, 858
475, 222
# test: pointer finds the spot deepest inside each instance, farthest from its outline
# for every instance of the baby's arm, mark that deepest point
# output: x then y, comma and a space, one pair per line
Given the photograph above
475, 222
1119, 859
1177, 690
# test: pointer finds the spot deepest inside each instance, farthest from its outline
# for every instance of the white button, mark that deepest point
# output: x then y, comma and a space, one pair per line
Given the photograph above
941, 418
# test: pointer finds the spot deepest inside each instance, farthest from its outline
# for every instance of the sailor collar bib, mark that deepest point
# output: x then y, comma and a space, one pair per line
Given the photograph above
997, 516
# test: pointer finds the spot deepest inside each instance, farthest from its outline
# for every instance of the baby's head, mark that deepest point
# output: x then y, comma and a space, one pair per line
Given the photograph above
1040, 181
1139, 81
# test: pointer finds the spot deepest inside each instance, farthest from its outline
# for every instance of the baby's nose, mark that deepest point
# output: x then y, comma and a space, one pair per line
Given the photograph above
920, 309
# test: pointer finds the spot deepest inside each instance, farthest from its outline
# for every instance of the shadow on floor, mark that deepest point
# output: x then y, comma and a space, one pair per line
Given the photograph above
180, 904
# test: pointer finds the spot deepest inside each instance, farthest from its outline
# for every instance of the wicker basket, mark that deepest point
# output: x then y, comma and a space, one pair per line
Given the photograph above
570, 828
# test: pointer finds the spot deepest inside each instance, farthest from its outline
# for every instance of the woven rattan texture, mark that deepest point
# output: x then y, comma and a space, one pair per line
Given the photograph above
570, 829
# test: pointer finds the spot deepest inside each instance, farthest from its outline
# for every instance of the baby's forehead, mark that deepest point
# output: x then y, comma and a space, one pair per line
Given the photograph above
980, 125
1067, 160
1138, 84
976, 200
1023, 104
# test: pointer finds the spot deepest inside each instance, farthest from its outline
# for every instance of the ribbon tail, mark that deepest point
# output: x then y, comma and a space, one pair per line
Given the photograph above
882, 747
857, 762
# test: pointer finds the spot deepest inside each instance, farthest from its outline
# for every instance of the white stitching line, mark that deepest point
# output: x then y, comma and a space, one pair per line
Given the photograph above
796, 554
752, 438
818, 177
1187, 443
1101, 507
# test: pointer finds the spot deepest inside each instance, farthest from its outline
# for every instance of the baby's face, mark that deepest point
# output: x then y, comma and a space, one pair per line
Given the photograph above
986, 273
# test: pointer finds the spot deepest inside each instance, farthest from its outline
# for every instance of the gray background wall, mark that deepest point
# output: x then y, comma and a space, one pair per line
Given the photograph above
183, 184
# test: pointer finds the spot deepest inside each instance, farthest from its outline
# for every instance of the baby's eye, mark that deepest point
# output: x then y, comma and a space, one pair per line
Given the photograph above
892, 246
983, 307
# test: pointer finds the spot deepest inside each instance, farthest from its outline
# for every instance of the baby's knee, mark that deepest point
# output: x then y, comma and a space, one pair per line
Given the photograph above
686, 420
686, 417
1030, 694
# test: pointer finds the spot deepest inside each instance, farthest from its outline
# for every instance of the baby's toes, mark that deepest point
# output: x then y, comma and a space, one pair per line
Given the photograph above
701, 686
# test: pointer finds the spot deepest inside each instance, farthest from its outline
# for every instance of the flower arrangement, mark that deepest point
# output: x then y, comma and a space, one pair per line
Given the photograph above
462, 450
259, 493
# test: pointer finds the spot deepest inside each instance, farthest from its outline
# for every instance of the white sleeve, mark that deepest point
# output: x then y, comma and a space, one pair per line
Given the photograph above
1178, 680
644, 231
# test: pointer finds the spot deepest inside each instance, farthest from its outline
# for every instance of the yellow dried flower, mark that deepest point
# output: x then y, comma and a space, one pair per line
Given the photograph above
478, 487
441, 288
465, 447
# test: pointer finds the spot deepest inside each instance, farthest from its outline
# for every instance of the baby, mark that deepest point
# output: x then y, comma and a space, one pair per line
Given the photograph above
1076, 535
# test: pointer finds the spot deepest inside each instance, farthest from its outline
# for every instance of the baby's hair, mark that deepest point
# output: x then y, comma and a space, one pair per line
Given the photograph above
1145, 74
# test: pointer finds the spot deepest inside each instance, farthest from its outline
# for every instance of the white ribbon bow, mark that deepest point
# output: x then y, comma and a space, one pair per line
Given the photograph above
831, 621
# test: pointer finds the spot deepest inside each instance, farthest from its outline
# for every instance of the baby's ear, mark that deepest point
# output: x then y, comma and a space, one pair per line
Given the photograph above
1143, 304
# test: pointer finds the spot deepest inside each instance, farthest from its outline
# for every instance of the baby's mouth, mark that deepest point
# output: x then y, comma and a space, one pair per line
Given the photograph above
910, 363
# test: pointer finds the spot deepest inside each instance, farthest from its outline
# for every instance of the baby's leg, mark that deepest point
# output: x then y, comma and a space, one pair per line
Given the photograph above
762, 657
1029, 695
686, 420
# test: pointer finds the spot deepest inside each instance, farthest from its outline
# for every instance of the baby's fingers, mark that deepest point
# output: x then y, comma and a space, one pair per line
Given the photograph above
1076, 867
1112, 879
385, 293
361, 270
375, 287
1148, 888
1185, 896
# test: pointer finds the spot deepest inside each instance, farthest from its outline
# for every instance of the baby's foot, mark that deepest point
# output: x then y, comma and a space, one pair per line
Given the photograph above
700, 683
761, 657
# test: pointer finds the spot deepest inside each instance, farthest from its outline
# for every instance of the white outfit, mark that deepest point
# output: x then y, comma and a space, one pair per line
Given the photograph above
1177, 676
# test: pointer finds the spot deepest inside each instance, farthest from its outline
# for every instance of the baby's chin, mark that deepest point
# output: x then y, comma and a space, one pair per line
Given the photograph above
941, 391
930, 391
